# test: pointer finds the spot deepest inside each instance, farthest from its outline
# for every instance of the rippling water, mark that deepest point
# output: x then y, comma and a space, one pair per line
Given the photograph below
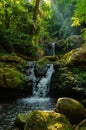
9, 111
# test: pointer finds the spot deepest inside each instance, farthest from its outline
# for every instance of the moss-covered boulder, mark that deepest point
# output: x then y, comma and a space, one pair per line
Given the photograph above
73, 109
81, 125
9, 58
76, 57
21, 119
70, 43
42, 61
41, 66
11, 78
46, 120
60, 46
74, 41
67, 81
11, 67
12, 60
52, 58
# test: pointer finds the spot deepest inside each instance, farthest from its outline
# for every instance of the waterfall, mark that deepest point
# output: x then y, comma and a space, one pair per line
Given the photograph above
30, 73
40, 86
53, 49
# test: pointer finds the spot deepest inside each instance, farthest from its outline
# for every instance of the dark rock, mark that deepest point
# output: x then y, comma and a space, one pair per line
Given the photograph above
73, 109
81, 125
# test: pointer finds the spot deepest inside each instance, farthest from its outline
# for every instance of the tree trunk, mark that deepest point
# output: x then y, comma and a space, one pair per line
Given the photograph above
36, 12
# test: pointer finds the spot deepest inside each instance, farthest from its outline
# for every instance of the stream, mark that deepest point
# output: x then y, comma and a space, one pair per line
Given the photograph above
10, 110
38, 101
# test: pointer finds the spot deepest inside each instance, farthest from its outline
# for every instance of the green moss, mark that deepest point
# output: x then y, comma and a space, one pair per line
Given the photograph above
41, 120
76, 57
43, 61
81, 125
52, 58
73, 109
11, 78
12, 60
59, 126
21, 119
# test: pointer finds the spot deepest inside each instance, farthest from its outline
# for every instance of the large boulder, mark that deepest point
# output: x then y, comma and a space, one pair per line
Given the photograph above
11, 78
65, 45
21, 119
73, 109
76, 57
42, 64
68, 82
60, 47
46, 120
74, 41
12, 60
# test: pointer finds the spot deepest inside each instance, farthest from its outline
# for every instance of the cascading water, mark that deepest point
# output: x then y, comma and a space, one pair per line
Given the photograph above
41, 88
39, 99
53, 49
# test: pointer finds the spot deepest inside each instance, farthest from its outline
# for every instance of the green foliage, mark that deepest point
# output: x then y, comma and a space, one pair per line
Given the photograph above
60, 22
16, 19
14, 22
80, 16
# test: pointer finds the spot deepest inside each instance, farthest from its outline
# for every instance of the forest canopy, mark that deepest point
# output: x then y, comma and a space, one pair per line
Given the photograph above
32, 22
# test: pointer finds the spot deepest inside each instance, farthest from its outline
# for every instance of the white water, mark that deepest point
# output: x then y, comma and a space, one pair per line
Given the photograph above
36, 102
30, 72
53, 49
41, 88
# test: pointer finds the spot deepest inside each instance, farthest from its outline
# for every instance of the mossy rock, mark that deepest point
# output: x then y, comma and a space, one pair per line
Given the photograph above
74, 41
12, 60
11, 78
52, 58
46, 60
66, 45
46, 120
68, 82
73, 109
81, 125
43, 61
76, 57
21, 119
59, 126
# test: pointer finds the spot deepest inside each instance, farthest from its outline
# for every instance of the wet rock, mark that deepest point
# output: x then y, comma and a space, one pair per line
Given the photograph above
73, 109
11, 78
65, 45
21, 119
68, 82
46, 120
76, 57
74, 41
